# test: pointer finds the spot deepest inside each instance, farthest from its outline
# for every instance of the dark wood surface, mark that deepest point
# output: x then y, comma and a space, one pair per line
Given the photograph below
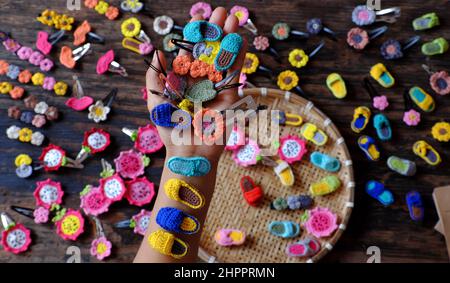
390, 229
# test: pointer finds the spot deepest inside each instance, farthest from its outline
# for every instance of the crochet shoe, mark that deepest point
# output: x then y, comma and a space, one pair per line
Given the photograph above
336, 85
252, 193
284, 229
383, 127
369, 147
166, 243
361, 117
202, 31
422, 99
415, 206
382, 75
189, 166
284, 172
403, 167
184, 193
427, 152
174, 220
435, 47
426, 21
325, 186
304, 248
313, 134
229, 50
163, 114
379, 192
325, 162
229, 237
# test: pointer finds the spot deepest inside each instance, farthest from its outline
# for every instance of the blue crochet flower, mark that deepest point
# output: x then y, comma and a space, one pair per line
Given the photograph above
27, 117
314, 26
391, 49
362, 16
293, 202
13, 72
279, 204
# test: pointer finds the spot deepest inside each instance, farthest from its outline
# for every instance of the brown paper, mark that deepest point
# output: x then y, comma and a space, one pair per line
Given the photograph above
441, 198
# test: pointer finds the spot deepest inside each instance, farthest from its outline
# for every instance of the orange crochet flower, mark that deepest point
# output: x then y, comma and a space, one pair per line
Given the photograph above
25, 76
214, 75
16, 92
90, 3
181, 65
3, 67
112, 13
199, 69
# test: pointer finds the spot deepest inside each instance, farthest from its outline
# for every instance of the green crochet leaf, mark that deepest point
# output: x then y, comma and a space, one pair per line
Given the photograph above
86, 149
107, 173
134, 136
85, 190
132, 223
146, 160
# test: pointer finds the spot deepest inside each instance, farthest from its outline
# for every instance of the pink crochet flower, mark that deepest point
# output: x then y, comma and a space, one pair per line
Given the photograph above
242, 80
39, 121
90, 3
49, 83
292, 148
36, 58
141, 221
140, 191
380, 102
411, 118
201, 8
130, 164
113, 187
94, 202
440, 82
145, 48
40, 215
321, 222
261, 43
46, 65
236, 139
357, 38
11, 45
247, 155
24, 53
101, 248
241, 13
21, 236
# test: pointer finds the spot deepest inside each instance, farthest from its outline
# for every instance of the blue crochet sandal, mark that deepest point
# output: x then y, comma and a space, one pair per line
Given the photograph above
415, 206
284, 229
162, 115
325, 162
383, 127
369, 147
379, 192
174, 220
229, 50
189, 166
202, 31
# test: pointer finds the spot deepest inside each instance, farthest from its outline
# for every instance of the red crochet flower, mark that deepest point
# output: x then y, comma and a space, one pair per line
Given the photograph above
47, 193
113, 187
52, 157
97, 140
16, 239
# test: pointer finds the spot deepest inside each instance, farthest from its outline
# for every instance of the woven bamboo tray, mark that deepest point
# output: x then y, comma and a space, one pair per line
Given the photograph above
228, 208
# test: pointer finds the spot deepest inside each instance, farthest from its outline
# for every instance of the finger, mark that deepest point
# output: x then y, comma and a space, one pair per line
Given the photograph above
231, 24
153, 81
218, 16
195, 18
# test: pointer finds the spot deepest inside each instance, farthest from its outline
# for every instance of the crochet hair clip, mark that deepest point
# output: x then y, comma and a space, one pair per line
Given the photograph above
359, 38
439, 80
95, 141
298, 57
393, 49
69, 57
135, 39
99, 111
133, 6
163, 25
139, 222
54, 157
45, 42
15, 237
363, 16
80, 101
282, 31
262, 43
315, 26
100, 246
84, 32
107, 63
146, 139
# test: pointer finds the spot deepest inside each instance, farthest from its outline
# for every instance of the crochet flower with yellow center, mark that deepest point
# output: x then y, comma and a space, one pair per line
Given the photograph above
251, 63
63, 22
287, 80
298, 58
25, 135
101, 7
130, 27
47, 17
441, 131
38, 79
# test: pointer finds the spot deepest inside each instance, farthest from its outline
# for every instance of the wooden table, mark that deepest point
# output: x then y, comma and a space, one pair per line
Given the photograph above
390, 229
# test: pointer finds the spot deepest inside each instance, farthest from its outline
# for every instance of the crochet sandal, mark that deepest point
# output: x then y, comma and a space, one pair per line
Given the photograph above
303, 248
369, 147
229, 50
163, 114
313, 134
174, 220
166, 243
435, 47
189, 166
379, 192
284, 229
422, 99
202, 31
361, 117
336, 85
181, 191
326, 186
426, 21
427, 152
383, 127
284, 172
288, 119
325, 162
252, 193
229, 237
415, 206
403, 167
379, 73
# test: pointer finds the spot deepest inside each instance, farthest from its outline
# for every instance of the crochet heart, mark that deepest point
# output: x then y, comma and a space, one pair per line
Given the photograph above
66, 57
42, 43
79, 104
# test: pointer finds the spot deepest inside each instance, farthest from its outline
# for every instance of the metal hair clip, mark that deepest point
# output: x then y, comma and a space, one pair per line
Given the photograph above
69, 57
363, 16
16, 237
83, 31
393, 49
45, 42
28, 212
106, 63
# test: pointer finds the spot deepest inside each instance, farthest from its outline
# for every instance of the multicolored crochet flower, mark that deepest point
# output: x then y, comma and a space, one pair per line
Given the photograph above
251, 63
391, 49
362, 16
441, 131
261, 43
298, 58
411, 118
281, 31
380, 102
314, 26
321, 222
98, 112
53, 157
357, 38
71, 225
130, 164
101, 248
201, 8
241, 13
440, 82
93, 201
13, 72
287, 80
15, 239
131, 27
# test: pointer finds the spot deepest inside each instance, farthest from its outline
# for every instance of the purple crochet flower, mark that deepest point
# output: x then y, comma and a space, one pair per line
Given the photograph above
27, 117
391, 49
46, 65
411, 118
314, 26
36, 58
362, 16
49, 83
13, 72
299, 202
201, 8
11, 45
24, 53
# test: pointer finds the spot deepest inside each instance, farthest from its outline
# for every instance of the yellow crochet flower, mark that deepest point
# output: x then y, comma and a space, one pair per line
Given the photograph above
101, 7
47, 17
298, 58
60, 88
63, 22
131, 27
38, 79
251, 63
287, 80
214, 47
441, 131
25, 135
5, 87
23, 159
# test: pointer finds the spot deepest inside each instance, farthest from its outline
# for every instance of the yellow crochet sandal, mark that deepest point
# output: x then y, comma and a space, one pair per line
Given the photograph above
361, 118
427, 152
326, 186
166, 243
382, 75
182, 192
313, 134
336, 85
284, 172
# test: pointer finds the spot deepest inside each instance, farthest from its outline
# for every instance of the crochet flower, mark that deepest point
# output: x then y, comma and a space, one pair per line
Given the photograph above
293, 202
40, 215
241, 13
53, 157
440, 82
13, 72
13, 132
37, 138
101, 7
279, 204
70, 225
242, 80
98, 112
96, 140
11, 45
199, 69
60, 88
5, 87
36, 58
201, 8
321, 223
27, 117
52, 113
14, 112
314, 26
281, 31
46, 65
38, 79
39, 121
25, 135
140, 221
47, 17
30, 101
101, 248
48, 193
357, 38
181, 65
167, 42
411, 118
4, 66
145, 48
17, 92
261, 43
441, 131
362, 16
298, 58
90, 3
214, 75
16, 239
391, 49
131, 27
287, 80
380, 102
130, 164
112, 13
24, 53
93, 201
251, 63
25, 77
163, 25
49, 83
